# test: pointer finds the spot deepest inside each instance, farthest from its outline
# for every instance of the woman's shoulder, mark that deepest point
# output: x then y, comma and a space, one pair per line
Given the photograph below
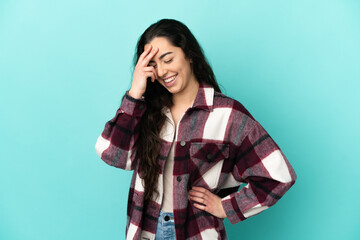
224, 101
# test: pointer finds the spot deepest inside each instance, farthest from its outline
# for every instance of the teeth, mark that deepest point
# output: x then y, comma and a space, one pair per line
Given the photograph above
170, 79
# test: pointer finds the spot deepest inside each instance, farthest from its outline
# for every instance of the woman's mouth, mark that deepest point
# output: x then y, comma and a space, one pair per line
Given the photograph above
167, 80
170, 81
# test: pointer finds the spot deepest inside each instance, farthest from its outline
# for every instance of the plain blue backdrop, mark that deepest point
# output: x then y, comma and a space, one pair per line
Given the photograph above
64, 66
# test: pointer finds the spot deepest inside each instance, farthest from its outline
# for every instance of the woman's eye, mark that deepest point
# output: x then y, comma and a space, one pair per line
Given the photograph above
168, 61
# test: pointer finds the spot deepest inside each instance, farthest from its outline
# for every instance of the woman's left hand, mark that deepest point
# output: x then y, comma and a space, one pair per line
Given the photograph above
210, 202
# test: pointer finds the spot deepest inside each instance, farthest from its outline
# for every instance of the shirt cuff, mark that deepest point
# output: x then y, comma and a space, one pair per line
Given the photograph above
232, 210
132, 106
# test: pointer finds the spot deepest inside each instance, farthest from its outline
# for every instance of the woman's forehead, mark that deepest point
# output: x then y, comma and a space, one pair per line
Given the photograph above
160, 42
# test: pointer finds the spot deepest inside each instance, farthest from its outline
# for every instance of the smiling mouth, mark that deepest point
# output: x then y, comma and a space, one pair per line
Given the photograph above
167, 80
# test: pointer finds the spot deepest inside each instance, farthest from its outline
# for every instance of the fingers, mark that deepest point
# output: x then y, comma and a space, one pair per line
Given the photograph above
142, 72
199, 197
146, 52
195, 193
152, 75
148, 55
207, 201
201, 202
200, 189
151, 69
144, 60
202, 207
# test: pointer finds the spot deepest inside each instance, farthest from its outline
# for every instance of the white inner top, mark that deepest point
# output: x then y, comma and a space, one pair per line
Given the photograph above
167, 203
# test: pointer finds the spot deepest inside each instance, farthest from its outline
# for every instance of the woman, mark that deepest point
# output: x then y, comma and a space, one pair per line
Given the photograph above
190, 146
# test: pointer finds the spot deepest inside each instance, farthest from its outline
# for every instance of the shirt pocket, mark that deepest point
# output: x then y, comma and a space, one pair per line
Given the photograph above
206, 161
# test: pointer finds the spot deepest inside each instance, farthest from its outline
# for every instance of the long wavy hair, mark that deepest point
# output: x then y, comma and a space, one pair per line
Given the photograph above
156, 96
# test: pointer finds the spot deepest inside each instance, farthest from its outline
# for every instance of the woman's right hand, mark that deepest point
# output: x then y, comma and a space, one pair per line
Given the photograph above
142, 72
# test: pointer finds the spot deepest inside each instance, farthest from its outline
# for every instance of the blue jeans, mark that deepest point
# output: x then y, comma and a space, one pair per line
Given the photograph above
165, 227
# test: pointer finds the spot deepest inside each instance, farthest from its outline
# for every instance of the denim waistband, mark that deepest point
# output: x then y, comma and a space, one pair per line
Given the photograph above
166, 216
165, 227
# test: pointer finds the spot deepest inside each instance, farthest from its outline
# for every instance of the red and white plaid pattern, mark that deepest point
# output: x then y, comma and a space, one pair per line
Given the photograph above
218, 146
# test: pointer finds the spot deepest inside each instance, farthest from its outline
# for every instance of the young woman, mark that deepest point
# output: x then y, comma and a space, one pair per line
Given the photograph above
189, 145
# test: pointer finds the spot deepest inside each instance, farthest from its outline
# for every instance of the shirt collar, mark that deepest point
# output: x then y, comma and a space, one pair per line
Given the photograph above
204, 98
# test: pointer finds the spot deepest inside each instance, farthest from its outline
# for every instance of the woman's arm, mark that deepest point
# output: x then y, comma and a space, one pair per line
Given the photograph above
115, 145
262, 165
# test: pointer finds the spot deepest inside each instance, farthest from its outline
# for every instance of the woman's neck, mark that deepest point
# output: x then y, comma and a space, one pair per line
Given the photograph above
182, 101
186, 98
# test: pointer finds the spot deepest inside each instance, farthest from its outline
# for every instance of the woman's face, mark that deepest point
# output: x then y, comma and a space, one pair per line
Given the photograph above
173, 69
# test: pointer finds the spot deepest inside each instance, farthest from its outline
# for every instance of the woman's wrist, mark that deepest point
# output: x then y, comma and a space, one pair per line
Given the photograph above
135, 94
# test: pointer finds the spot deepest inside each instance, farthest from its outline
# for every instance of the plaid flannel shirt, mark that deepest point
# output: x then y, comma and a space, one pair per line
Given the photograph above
218, 146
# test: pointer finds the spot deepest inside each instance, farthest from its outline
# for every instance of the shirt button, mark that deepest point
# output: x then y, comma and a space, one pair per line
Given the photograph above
182, 215
178, 178
182, 143
141, 106
209, 156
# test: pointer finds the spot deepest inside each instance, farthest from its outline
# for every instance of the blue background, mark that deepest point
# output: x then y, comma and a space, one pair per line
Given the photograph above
64, 66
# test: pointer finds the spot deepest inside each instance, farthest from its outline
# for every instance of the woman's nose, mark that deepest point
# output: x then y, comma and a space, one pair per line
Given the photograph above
161, 72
